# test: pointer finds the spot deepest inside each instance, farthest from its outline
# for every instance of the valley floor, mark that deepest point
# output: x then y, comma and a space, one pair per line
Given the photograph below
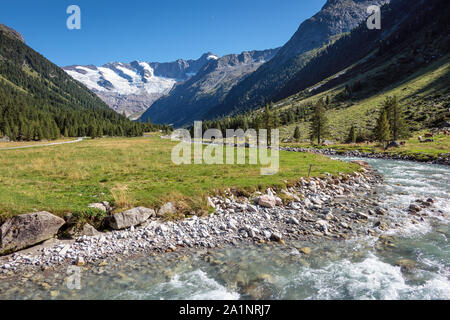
132, 172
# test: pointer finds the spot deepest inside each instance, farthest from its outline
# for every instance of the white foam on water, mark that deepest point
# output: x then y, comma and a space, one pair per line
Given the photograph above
196, 285
371, 279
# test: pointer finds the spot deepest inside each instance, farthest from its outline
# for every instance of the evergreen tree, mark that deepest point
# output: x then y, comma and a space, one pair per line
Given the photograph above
382, 131
319, 122
297, 133
396, 120
352, 135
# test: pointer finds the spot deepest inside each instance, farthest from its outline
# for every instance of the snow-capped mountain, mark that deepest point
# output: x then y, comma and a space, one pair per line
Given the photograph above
131, 88
191, 99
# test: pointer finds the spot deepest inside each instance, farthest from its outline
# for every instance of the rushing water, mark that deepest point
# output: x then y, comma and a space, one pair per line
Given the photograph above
355, 269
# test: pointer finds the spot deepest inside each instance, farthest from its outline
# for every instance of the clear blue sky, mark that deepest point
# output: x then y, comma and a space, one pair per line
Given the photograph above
154, 30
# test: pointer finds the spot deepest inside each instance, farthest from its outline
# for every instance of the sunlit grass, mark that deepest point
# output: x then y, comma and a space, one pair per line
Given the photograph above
131, 172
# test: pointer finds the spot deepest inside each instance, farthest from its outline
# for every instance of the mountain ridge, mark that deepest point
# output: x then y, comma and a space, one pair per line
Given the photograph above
132, 87
188, 101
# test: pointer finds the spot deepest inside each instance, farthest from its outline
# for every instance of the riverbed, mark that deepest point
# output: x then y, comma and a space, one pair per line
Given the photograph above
414, 263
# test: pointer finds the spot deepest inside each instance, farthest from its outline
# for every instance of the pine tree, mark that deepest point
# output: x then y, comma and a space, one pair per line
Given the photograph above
276, 120
268, 119
382, 132
297, 133
268, 122
396, 120
352, 135
319, 122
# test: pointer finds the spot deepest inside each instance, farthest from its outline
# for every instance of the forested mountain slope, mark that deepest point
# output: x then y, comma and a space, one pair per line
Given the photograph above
38, 100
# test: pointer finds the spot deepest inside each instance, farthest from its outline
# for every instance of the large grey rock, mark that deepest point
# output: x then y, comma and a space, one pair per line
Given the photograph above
129, 218
86, 230
25, 230
168, 208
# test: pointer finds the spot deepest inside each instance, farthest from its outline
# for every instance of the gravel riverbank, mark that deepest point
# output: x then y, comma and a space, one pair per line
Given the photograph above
332, 208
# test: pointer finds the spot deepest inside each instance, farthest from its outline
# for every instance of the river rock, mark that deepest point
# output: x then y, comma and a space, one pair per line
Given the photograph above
267, 201
380, 211
25, 230
305, 250
75, 231
414, 208
276, 236
130, 218
406, 265
168, 208
293, 220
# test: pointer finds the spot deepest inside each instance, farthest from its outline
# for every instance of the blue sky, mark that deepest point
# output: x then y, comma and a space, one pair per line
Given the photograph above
154, 30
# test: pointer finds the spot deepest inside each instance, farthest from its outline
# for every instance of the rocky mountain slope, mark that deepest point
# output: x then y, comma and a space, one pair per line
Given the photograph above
131, 88
190, 100
334, 19
408, 58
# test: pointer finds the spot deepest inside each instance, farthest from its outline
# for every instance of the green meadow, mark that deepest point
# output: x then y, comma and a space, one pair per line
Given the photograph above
132, 172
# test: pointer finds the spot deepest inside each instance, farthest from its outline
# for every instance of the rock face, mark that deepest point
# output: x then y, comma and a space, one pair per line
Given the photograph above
261, 87
129, 218
191, 100
25, 230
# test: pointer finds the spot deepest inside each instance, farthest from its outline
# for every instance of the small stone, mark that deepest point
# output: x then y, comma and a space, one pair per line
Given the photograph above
406, 265
103, 263
293, 220
80, 262
267, 201
276, 236
305, 250
99, 206
414, 208
211, 203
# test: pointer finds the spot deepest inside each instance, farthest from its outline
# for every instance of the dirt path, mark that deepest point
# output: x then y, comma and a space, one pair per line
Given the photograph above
43, 145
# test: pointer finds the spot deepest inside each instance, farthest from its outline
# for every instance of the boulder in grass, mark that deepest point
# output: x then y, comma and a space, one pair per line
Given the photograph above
167, 209
26, 230
130, 218
99, 206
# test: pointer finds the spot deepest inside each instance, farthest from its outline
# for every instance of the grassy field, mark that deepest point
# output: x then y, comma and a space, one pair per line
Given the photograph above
424, 151
131, 172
